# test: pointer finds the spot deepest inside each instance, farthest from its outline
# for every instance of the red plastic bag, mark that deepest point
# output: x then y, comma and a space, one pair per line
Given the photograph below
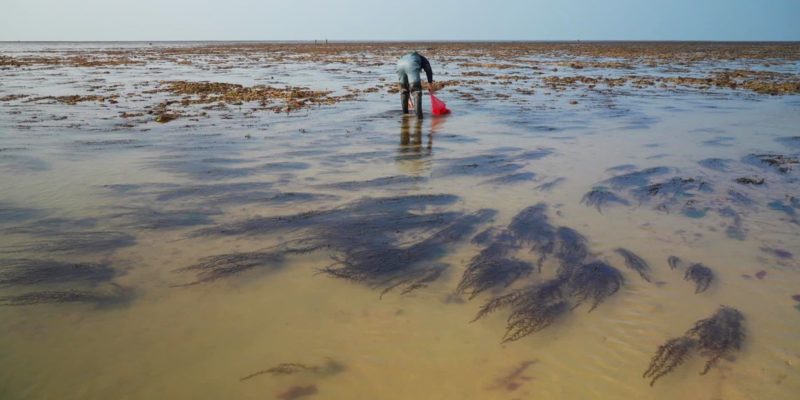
438, 107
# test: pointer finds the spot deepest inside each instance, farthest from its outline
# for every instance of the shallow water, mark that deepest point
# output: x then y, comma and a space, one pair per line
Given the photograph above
83, 185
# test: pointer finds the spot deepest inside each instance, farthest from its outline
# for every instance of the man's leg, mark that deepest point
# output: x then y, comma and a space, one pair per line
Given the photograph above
416, 92
403, 79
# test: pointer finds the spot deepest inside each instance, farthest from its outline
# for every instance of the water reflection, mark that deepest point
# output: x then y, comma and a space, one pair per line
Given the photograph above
412, 154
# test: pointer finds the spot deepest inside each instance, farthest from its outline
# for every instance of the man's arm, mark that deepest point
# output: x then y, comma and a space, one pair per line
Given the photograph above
427, 67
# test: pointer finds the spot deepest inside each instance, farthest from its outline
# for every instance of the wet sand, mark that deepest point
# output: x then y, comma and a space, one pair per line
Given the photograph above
259, 220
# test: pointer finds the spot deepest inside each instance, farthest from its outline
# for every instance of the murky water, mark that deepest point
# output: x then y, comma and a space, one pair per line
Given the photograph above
320, 253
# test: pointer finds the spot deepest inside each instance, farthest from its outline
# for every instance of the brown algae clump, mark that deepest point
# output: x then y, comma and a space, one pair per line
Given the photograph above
716, 337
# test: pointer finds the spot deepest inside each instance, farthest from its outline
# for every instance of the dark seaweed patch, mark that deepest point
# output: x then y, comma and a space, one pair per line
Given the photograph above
220, 168
636, 263
31, 272
716, 337
538, 306
82, 242
114, 295
494, 266
14, 214
369, 239
482, 165
779, 253
151, 218
674, 262
621, 167
739, 198
489, 164
221, 266
700, 275
532, 309
593, 282
366, 219
668, 356
750, 180
600, 197
387, 266
735, 230
673, 189
205, 191
510, 179
532, 227
396, 180
548, 186
636, 178
788, 206
296, 392
716, 164
779, 162
721, 141
330, 367
516, 378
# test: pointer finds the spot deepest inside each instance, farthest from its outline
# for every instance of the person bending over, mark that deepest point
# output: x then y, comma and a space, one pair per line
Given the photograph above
408, 68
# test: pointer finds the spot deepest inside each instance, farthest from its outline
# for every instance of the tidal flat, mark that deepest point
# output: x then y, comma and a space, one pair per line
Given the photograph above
248, 220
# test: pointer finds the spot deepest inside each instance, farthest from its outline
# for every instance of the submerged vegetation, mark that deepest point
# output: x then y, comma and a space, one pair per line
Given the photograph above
700, 275
367, 239
33, 272
600, 197
636, 263
538, 306
714, 338
112, 295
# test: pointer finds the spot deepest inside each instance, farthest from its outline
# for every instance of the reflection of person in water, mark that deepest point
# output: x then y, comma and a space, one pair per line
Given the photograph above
408, 68
412, 155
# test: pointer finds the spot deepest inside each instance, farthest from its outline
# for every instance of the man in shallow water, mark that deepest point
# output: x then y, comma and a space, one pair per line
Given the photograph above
408, 68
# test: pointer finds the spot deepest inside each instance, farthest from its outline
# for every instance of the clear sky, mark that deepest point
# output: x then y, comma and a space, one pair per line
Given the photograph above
400, 20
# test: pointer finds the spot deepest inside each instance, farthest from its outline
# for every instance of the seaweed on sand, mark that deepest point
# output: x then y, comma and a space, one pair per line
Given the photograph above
364, 238
674, 262
571, 248
548, 186
209, 190
31, 272
152, 218
668, 356
510, 179
595, 282
494, 266
532, 309
600, 197
82, 242
673, 189
716, 337
735, 230
12, 213
532, 227
779, 162
716, 164
636, 263
480, 165
220, 266
700, 275
636, 178
395, 180
536, 307
116, 294
369, 218
386, 265
330, 367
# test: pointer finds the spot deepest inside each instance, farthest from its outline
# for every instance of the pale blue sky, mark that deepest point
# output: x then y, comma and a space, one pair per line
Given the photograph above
400, 20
